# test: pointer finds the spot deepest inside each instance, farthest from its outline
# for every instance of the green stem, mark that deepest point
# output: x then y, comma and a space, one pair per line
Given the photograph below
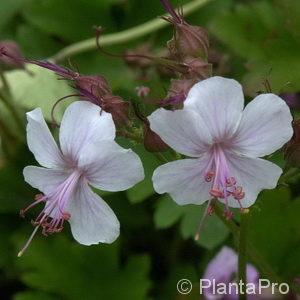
255, 255
123, 36
242, 275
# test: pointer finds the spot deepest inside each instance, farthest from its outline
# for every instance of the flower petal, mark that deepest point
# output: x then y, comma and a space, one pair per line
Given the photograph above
43, 179
253, 174
222, 269
184, 131
183, 180
109, 167
40, 141
84, 122
92, 220
219, 101
265, 126
222, 266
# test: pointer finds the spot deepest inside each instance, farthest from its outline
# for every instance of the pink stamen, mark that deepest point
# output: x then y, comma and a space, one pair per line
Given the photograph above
223, 184
56, 202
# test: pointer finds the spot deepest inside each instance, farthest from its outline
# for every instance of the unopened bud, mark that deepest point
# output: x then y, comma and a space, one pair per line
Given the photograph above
153, 142
13, 49
197, 69
178, 92
292, 148
292, 100
118, 108
189, 40
179, 86
136, 61
142, 91
96, 85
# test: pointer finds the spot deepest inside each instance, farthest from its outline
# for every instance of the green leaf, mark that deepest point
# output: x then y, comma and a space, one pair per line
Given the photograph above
72, 271
213, 232
33, 296
167, 213
143, 189
274, 230
39, 88
13, 199
9, 9
72, 20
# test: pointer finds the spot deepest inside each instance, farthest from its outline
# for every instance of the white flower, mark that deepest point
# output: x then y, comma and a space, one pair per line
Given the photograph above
225, 142
88, 155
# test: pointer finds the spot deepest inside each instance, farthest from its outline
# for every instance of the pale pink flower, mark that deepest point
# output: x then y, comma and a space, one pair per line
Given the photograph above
225, 142
223, 269
88, 154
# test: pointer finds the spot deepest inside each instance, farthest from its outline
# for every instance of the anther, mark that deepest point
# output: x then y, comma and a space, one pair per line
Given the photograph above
230, 181
228, 214
209, 176
216, 193
66, 216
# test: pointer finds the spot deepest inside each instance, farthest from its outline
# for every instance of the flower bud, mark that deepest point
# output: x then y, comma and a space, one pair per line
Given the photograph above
178, 92
142, 91
96, 85
153, 142
197, 69
292, 100
136, 61
189, 40
118, 108
13, 49
292, 148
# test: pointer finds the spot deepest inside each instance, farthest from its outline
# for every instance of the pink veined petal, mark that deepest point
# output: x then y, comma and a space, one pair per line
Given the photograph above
40, 141
92, 220
219, 101
265, 126
184, 131
184, 180
253, 174
109, 167
44, 179
84, 122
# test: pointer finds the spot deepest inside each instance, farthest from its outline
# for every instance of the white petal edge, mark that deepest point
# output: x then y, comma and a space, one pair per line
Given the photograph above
92, 220
219, 101
43, 179
109, 167
254, 175
84, 122
184, 131
265, 126
40, 141
184, 180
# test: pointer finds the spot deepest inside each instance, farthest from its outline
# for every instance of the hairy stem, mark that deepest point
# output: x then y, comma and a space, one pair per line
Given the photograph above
123, 36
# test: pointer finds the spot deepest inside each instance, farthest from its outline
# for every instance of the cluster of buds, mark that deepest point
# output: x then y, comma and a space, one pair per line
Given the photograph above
90, 88
189, 46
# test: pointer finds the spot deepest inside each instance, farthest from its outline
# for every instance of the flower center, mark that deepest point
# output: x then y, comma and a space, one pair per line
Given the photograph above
223, 184
54, 213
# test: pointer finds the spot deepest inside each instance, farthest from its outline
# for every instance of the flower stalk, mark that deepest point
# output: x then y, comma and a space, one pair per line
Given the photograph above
242, 262
254, 253
123, 36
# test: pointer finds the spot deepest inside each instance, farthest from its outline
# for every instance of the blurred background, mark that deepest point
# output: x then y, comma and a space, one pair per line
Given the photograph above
251, 41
